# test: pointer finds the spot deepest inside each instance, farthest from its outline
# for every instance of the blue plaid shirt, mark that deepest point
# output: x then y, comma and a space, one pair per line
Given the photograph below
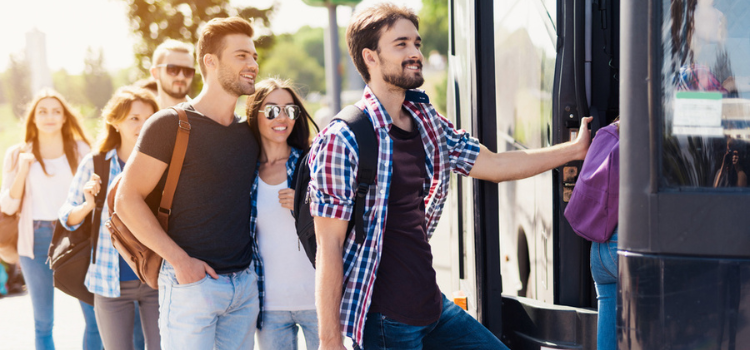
291, 164
333, 164
103, 276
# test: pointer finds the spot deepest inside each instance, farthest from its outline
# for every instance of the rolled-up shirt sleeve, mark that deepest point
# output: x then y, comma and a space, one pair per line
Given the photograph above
75, 192
462, 147
332, 161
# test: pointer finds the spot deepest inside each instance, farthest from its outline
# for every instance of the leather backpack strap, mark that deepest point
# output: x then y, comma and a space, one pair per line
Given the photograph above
101, 168
175, 167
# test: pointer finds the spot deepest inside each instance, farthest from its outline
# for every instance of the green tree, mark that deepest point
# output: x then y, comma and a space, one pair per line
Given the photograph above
433, 26
287, 61
154, 21
97, 81
18, 84
70, 86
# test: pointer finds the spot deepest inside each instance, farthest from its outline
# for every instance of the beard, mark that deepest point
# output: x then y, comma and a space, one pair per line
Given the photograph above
232, 84
175, 92
402, 79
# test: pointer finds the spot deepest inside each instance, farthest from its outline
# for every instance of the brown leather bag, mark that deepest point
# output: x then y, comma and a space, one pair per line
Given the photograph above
144, 261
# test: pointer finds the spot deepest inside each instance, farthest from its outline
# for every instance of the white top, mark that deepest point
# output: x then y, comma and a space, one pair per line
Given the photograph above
49, 191
11, 206
289, 276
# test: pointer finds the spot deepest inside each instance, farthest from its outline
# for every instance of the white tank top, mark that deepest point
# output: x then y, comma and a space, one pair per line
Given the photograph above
48, 191
289, 276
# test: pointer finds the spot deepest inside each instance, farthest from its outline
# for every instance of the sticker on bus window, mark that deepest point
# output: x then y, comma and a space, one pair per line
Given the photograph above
697, 113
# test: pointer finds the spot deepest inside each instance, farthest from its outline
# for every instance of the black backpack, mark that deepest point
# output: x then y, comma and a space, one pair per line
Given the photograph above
360, 124
71, 251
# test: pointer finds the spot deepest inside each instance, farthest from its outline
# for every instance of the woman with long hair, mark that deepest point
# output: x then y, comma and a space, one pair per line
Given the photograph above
279, 120
36, 177
113, 282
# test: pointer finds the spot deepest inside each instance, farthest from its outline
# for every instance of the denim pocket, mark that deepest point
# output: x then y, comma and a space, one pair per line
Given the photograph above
178, 285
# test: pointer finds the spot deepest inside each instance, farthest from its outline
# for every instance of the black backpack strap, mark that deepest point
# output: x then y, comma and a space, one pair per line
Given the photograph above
367, 143
101, 168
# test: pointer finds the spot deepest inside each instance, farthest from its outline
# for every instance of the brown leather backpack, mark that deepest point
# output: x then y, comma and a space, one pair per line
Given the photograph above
144, 261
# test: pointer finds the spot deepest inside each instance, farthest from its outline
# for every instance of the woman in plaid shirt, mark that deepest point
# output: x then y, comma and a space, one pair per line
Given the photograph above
113, 282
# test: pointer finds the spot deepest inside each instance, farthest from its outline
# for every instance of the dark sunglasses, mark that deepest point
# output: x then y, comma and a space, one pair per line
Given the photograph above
273, 111
174, 70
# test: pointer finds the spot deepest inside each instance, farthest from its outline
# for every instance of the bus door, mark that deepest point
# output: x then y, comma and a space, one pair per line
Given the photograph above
684, 232
522, 75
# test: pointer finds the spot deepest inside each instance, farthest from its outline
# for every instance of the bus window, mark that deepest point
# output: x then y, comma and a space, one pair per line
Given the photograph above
525, 40
706, 94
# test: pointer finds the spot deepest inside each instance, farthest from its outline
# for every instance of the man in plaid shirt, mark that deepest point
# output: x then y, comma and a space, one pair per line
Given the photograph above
383, 293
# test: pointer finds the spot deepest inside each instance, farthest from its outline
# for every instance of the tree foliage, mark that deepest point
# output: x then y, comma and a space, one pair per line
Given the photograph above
97, 81
18, 84
433, 26
288, 61
154, 21
70, 86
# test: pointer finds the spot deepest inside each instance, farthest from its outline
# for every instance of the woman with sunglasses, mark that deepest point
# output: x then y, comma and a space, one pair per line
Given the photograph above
279, 120
114, 284
36, 177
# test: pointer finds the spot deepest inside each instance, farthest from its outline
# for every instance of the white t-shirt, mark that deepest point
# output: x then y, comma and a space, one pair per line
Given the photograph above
49, 191
289, 276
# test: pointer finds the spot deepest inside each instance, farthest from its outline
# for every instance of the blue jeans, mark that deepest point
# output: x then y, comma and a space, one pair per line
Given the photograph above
604, 272
208, 314
280, 330
455, 329
91, 338
38, 277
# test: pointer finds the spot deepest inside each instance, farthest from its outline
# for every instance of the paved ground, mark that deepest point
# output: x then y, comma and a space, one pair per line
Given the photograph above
17, 321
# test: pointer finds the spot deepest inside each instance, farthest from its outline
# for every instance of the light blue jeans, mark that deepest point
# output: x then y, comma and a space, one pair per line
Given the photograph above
455, 329
208, 314
38, 277
280, 329
604, 272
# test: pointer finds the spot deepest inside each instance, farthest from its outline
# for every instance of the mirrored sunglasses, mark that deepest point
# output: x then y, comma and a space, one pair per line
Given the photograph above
272, 111
174, 70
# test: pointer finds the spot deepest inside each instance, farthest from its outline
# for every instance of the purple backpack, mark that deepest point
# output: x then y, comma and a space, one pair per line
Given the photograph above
592, 210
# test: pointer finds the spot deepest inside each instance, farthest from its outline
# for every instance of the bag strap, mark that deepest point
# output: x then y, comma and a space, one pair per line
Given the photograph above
101, 168
175, 167
364, 133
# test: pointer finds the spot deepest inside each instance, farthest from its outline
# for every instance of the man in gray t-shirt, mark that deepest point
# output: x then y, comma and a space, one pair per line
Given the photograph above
209, 295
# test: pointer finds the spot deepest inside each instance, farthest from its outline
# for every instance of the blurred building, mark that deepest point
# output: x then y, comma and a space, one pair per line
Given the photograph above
36, 57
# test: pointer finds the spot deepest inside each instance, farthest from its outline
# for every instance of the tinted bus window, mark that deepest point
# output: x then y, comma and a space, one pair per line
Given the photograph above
525, 38
706, 93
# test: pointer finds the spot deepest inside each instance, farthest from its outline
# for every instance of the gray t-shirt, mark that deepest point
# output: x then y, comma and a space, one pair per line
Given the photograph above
210, 217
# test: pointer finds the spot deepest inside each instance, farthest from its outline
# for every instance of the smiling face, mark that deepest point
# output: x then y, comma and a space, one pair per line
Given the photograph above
399, 56
278, 129
49, 116
237, 68
130, 126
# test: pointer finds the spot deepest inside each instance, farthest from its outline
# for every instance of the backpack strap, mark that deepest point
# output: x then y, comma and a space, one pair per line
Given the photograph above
101, 168
367, 143
175, 167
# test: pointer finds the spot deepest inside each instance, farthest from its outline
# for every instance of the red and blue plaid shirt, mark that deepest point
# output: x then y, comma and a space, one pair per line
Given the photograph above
333, 167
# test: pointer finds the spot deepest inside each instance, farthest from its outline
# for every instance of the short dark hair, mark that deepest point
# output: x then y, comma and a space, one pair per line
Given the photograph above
211, 40
300, 136
366, 27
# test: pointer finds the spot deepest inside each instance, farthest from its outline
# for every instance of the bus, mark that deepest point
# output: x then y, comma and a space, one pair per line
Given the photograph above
522, 74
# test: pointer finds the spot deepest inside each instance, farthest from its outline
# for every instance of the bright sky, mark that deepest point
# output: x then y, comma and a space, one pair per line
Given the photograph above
73, 25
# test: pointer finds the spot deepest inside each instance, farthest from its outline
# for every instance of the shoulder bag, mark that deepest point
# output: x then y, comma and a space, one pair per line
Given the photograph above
71, 252
144, 261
